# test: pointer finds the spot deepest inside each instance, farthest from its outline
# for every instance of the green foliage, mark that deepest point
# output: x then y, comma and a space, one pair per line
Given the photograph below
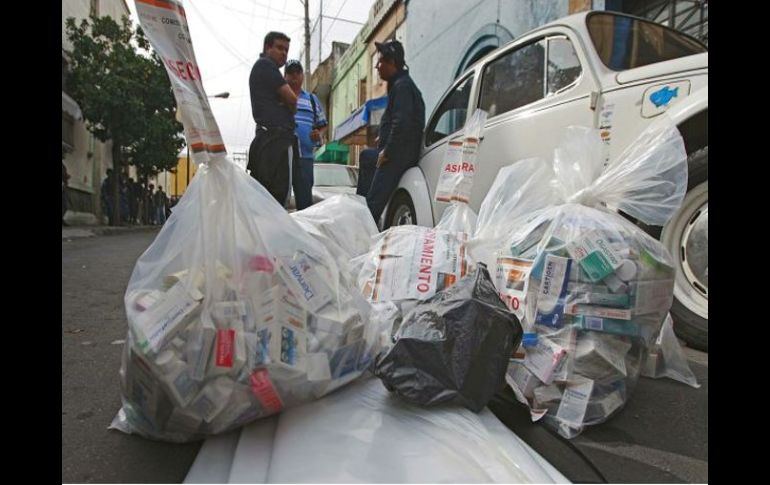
124, 93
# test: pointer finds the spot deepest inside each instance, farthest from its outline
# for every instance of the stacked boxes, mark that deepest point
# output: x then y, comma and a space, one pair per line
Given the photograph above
595, 295
206, 356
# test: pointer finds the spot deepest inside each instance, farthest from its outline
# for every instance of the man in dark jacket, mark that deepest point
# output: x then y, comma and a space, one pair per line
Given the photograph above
273, 105
400, 128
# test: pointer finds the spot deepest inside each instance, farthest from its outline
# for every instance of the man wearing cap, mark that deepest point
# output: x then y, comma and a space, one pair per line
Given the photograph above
310, 125
400, 127
273, 103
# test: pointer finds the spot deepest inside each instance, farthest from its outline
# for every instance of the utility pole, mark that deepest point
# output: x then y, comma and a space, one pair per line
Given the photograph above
320, 30
307, 45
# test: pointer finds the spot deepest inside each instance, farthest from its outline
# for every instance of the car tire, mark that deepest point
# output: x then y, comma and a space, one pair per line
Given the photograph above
401, 211
686, 238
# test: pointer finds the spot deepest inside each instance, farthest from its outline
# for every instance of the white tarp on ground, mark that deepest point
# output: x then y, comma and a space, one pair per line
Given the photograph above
363, 434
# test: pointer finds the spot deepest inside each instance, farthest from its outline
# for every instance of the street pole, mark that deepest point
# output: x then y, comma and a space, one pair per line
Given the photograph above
320, 29
307, 45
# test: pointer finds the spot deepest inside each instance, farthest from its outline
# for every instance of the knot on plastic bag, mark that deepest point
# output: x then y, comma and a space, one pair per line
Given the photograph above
586, 197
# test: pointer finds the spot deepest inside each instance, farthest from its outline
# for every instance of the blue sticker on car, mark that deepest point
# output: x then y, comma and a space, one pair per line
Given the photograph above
663, 96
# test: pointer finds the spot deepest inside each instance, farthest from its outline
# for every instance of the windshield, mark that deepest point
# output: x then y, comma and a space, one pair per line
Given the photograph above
335, 176
625, 42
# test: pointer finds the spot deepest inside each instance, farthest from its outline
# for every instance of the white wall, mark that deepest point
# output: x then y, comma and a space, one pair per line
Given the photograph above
439, 33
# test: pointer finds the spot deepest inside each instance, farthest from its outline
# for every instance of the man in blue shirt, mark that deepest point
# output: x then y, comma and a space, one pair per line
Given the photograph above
310, 124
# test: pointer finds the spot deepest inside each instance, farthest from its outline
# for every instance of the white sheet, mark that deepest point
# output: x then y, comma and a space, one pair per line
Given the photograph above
361, 433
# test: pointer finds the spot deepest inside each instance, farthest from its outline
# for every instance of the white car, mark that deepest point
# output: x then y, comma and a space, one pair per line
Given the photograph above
330, 179
601, 69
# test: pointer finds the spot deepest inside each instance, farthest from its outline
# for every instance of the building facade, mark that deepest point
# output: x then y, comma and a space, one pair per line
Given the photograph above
322, 78
86, 158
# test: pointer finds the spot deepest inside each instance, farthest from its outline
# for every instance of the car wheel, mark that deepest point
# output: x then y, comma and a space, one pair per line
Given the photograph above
686, 238
401, 211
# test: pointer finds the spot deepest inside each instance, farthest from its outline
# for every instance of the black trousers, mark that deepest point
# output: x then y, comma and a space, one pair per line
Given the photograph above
272, 163
377, 184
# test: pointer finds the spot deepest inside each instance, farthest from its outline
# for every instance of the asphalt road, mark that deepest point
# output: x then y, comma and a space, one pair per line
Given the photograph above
95, 272
661, 436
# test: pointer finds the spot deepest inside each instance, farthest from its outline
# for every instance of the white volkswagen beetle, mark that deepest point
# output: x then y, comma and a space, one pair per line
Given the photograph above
602, 69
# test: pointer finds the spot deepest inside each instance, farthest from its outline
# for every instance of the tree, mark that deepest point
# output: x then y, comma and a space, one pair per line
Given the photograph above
125, 96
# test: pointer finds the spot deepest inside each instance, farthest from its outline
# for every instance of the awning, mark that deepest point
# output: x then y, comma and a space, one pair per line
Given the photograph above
69, 106
353, 129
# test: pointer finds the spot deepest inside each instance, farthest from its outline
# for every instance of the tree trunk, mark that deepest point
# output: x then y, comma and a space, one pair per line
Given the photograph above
117, 167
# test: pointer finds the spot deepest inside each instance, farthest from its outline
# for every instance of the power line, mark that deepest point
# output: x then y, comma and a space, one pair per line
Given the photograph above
238, 19
221, 41
334, 19
285, 17
328, 29
240, 64
251, 22
263, 6
267, 17
341, 20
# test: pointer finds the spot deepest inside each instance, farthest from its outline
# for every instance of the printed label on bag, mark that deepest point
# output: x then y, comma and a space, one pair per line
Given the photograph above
306, 283
417, 264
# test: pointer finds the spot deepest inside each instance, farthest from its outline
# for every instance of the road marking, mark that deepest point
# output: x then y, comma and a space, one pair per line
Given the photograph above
689, 469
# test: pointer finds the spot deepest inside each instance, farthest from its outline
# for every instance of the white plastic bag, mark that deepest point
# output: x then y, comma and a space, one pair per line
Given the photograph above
592, 289
414, 262
458, 217
408, 264
456, 180
235, 313
343, 223
666, 358
517, 194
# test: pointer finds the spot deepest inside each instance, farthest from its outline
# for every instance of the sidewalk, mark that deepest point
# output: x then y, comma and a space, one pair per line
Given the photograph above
77, 232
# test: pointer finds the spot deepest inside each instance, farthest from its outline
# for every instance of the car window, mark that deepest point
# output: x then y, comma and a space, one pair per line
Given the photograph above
625, 42
563, 64
513, 80
451, 114
334, 176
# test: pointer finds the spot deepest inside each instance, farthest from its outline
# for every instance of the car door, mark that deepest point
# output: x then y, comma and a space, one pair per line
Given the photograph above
445, 125
532, 91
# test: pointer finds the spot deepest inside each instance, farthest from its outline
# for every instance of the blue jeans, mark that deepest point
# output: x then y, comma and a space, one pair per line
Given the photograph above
378, 183
160, 215
303, 184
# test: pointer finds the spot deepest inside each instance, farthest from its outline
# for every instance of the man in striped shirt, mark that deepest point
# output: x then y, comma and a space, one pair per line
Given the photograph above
310, 126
